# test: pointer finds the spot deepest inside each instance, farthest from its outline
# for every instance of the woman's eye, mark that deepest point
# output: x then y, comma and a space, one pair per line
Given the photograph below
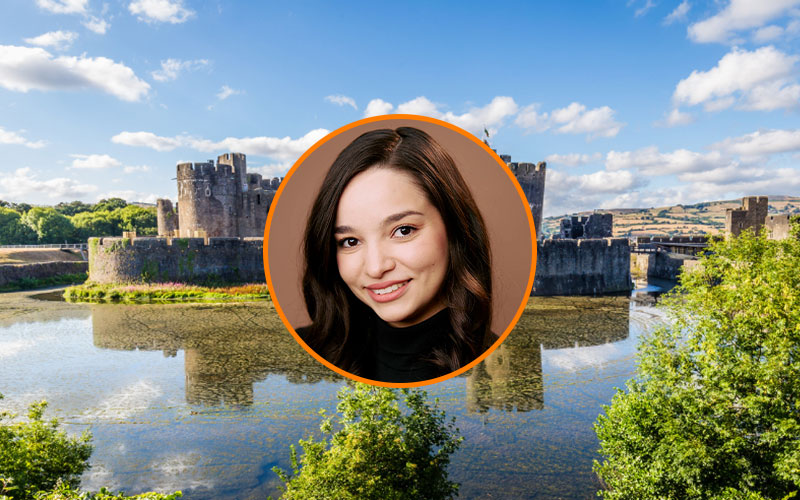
404, 231
348, 242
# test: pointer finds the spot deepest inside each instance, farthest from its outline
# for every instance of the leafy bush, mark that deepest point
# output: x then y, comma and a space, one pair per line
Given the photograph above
714, 410
35, 455
64, 492
376, 450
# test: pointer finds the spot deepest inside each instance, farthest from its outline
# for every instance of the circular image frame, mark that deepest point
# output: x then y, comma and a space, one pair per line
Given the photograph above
497, 209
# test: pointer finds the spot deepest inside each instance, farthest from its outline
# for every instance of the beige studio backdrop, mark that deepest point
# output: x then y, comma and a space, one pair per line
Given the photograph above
502, 206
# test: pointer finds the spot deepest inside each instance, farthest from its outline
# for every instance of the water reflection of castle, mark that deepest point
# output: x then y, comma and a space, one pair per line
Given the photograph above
228, 348
511, 377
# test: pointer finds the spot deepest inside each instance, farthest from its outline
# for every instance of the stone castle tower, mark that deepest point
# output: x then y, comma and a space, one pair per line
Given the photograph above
531, 177
217, 200
751, 215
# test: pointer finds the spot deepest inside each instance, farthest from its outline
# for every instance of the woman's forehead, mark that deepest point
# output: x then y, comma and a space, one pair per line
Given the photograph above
376, 194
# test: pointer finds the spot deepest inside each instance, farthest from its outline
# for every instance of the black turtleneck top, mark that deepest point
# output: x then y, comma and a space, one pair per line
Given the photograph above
403, 354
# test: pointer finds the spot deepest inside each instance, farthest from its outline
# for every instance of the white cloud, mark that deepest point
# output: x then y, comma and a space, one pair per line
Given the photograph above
767, 33
475, 120
226, 92
529, 118
10, 137
59, 40
762, 142
131, 196
644, 9
773, 95
725, 175
759, 78
284, 149
342, 100
679, 14
774, 182
573, 193
97, 25
148, 140
272, 170
94, 161
165, 11
604, 181
674, 118
171, 68
132, 169
23, 184
597, 122
378, 107
419, 106
650, 161
572, 119
573, 159
26, 68
739, 15
63, 6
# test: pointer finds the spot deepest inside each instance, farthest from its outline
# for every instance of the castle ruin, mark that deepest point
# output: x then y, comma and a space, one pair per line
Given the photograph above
531, 178
751, 215
594, 226
217, 200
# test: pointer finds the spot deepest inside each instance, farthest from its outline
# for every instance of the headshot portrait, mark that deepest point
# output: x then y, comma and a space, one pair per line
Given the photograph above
399, 250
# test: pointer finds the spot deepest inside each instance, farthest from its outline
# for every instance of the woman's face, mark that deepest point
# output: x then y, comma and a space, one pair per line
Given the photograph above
391, 246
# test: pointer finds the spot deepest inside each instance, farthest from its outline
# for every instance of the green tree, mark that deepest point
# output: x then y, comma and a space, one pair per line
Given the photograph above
88, 224
714, 409
49, 225
36, 455
73, 207
12, 230
376, 450
139, 219
109, 204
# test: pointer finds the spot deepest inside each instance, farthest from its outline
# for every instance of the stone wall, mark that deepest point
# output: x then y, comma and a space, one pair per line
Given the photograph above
186, 260
582, 267
662, 265
778, 226
11, 273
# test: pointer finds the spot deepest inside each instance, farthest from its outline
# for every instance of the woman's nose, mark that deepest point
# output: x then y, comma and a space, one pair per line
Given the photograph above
378, 261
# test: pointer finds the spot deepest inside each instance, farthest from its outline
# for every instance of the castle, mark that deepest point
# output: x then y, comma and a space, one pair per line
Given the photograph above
220, 200
531, 178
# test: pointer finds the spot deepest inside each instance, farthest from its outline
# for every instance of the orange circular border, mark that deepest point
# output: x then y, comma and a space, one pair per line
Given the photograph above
500, 339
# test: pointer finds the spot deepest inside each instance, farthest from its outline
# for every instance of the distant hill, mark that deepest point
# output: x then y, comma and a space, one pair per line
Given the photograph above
700, 218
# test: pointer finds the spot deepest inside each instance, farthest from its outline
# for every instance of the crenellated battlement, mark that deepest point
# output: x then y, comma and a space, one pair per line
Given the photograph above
218, 199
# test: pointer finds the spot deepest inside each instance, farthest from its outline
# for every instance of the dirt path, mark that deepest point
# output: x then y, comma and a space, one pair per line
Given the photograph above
30, 255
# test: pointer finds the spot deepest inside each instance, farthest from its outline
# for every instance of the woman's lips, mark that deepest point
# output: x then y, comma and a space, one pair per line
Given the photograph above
387, 291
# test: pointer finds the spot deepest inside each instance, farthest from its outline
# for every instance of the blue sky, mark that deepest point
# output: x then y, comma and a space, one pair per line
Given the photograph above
633, 103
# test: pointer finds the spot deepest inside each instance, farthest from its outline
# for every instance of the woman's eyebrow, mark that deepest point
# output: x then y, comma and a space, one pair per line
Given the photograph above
388, 220
400, 216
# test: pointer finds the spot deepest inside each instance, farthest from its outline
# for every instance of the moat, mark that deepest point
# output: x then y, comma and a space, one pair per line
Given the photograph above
208, 398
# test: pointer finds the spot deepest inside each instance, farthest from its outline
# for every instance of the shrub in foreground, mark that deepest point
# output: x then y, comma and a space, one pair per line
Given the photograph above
374, 449
35, 455
714, 410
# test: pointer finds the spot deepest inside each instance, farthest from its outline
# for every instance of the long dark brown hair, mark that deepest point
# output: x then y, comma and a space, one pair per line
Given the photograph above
337, 332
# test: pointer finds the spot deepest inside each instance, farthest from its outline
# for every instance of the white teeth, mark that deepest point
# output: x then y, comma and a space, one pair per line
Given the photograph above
389, 289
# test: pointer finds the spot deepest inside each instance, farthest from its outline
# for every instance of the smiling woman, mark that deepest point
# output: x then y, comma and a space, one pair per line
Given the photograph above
391, 279
397, 280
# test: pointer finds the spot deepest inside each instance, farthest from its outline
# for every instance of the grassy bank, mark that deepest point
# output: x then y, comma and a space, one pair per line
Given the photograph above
34, 283
164, 292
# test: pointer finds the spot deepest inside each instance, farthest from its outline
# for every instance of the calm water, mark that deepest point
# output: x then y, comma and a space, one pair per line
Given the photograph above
207, 398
